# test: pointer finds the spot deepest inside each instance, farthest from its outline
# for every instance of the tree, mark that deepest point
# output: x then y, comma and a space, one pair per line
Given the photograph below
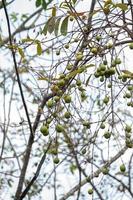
66, 100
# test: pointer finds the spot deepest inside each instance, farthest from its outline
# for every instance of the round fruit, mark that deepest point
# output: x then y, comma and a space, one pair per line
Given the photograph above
105, 170
86, 124
84, 151
102, 79
109, 85
44, 130
122, 168
98, 38
78, 82
128, 129
71, 18
90, 191
128, 95
85, 29
57, 53
54, 151
118, 61
50, 103
111, 71
102, 67
56, 98
67, 115
56, 160
131, 45
107, 135
61, 83
106, 100
105, 62
109, 45
102, 126
69, 67
130, 87
106, 10
67, 99
66, 46
76, 40
79, 56
59, 128
94, 50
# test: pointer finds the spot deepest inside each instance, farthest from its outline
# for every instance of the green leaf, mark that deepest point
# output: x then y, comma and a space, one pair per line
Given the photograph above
64, 26
74, 1
21, 52
64, 5
122, 6
39, 49
51, 25
45, 29
56, 29
88, 79
38, 3
44, 4
54, 11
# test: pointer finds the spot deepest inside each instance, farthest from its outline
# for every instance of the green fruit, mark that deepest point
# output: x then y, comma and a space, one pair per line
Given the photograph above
61, 83
56, 98
84, 151
83, 95
105, 62
59, 128
98, 38
128, 135
130, 87
102, 79
106, 100
66, 46
128, 95
107, 73
71, 18
76, 40
44, 130
86, 124
128, 129
56, 160
79, 56
109, 45
57, 52
106, 10
102, 67
49, 120
107, 135
78, 82
122, 168
118, 61
105, 170
67, 115
90, 191
54, 151
94, 50
50, 103
67, 99
111, 71
62, 76
69, 67
85, 29
96, 74
131, 45
109, 85
129, 144
102, 126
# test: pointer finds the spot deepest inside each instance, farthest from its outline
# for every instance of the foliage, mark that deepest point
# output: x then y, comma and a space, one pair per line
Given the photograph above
66, 85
